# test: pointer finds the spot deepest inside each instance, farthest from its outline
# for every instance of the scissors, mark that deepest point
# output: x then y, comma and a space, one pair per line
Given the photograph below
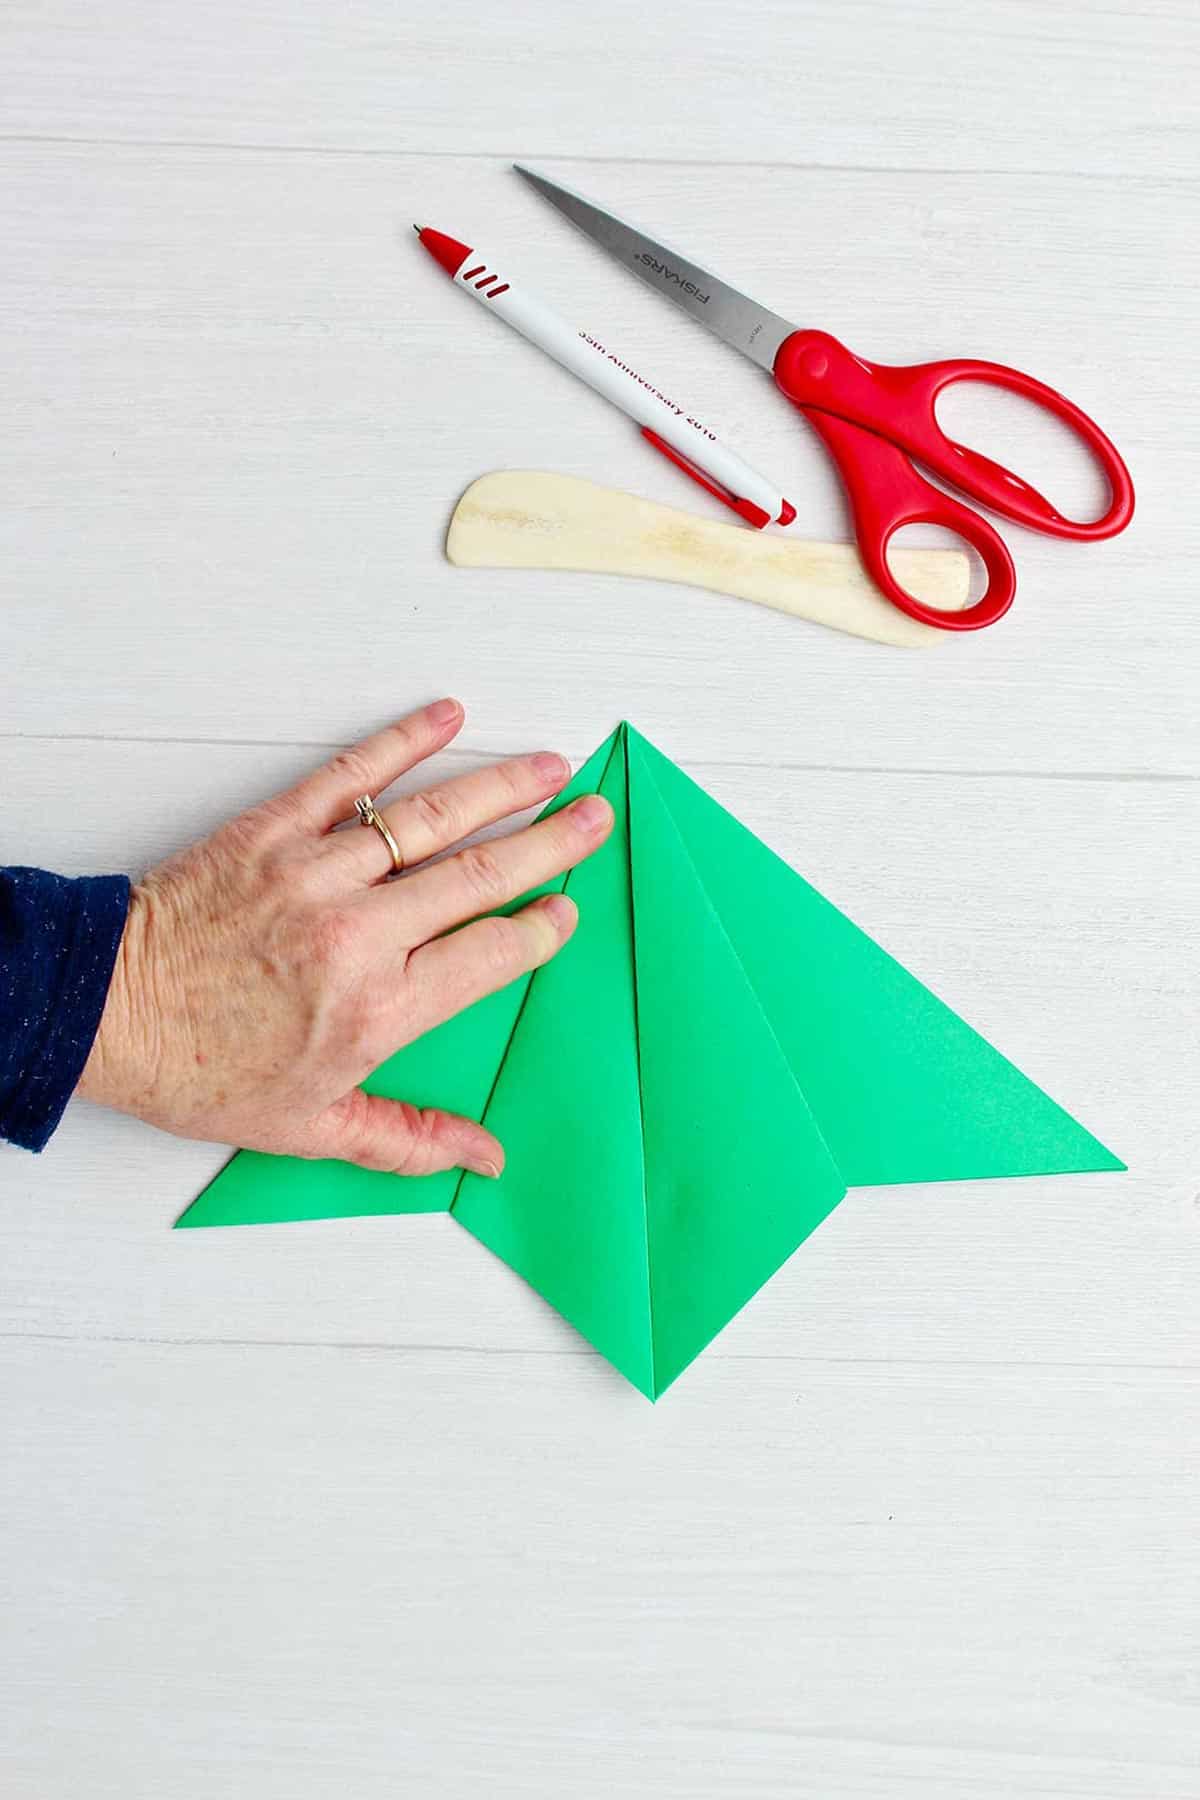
873, 418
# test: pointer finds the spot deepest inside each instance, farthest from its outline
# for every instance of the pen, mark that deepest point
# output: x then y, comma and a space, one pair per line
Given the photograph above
668, 427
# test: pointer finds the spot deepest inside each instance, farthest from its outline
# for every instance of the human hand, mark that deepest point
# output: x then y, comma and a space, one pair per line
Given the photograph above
265, 971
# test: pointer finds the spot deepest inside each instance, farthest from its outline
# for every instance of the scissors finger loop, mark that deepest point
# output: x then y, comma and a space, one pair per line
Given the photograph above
885, 493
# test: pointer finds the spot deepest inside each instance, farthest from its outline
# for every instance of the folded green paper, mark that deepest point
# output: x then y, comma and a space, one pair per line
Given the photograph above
687, 1089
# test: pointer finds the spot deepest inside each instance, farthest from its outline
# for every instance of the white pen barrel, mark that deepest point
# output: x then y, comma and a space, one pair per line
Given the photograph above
605, 371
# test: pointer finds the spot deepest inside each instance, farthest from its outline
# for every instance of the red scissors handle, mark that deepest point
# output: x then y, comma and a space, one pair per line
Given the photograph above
885, 493
874, 416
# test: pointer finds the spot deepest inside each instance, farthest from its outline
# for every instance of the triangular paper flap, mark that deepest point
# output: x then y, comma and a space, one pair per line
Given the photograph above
568, 1213
901, 1087
454, 1067
737, 1173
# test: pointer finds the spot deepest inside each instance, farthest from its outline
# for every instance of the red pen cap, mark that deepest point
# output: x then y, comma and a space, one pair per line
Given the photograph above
445, 250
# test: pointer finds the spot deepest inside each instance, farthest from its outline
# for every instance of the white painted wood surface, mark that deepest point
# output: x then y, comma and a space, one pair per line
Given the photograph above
342, 1509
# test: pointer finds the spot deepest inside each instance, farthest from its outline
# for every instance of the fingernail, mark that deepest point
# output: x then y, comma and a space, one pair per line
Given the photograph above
591, 812
549, 766
442, 711
484, 1166
563, 912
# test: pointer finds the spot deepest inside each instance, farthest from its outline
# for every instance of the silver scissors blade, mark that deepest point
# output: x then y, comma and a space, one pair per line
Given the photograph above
749, 327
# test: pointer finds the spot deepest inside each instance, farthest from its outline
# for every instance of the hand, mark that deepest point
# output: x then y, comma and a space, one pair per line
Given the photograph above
264, 972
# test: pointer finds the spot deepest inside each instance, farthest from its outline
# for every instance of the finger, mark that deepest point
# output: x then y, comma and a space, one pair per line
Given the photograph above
485, 876
453, 972
327, 797
398, 1139
440, 817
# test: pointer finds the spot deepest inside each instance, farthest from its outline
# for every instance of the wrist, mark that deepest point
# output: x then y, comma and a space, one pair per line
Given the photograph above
117, 1071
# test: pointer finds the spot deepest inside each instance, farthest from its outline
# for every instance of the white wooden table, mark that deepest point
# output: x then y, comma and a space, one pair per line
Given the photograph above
342, 1509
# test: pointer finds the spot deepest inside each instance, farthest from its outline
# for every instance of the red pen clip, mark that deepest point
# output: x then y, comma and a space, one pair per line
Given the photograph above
746, 509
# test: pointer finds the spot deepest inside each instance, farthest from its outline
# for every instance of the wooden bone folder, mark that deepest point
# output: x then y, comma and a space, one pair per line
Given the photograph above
526, 519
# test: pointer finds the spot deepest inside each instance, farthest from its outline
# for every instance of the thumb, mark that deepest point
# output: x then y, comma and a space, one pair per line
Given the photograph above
399, 1139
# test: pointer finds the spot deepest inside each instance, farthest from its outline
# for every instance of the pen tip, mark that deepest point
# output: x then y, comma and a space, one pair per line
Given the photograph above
418, 229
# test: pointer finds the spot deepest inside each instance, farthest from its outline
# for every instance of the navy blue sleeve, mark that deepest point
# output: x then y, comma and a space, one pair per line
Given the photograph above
58, 943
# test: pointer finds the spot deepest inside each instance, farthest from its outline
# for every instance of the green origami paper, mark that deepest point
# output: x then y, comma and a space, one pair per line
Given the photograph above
687, 1089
